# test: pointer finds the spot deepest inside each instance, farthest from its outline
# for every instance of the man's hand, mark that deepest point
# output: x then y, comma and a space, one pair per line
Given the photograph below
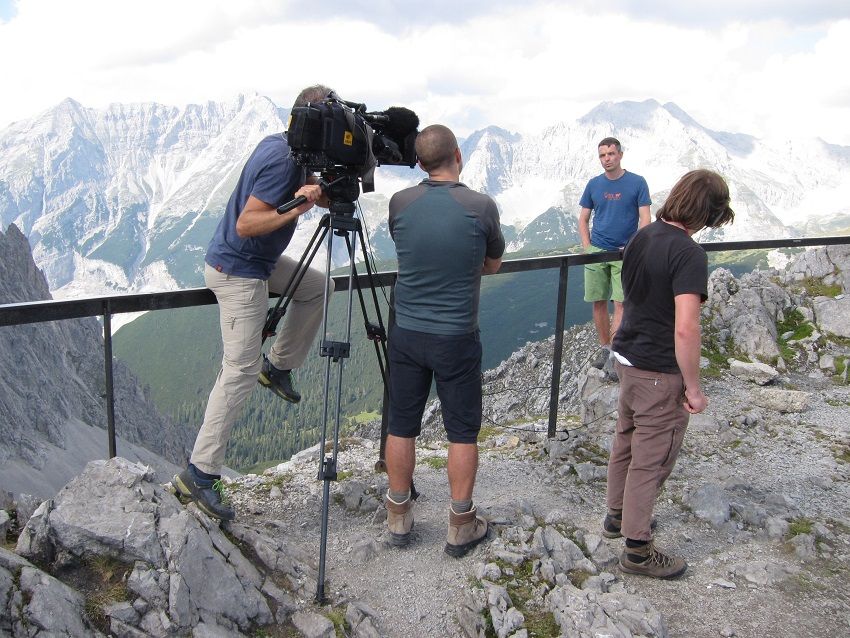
695, 401
312, 192
491, 265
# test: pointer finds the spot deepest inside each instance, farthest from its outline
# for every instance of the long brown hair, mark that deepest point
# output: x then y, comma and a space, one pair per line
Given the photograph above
700, 198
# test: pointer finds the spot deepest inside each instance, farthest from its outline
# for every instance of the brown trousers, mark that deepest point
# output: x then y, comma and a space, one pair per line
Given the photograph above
650, 428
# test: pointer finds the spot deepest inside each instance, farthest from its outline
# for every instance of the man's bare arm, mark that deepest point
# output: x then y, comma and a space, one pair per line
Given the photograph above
687, 341
258, 218
644, 216
584, 227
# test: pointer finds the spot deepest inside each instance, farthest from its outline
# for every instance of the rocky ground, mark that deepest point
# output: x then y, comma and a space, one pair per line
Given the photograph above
757, 505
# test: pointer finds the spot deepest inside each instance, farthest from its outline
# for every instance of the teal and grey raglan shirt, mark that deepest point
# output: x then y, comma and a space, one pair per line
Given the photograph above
442, 233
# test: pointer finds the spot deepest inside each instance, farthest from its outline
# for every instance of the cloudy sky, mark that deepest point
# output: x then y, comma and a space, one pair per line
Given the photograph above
764, 67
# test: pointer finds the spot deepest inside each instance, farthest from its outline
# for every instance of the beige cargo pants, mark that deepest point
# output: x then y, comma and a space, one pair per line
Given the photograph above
243, 306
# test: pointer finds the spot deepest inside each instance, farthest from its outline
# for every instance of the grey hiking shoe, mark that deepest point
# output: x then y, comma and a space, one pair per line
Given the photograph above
466, 530
207, 493
399, 521
610, 369
278, 381
602, 358
648, 560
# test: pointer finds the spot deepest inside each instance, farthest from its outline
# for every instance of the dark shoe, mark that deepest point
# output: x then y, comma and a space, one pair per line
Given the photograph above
465, 532
602, 359
278, 381
399, 521
205, 492
650, 561
610, 369
612, 523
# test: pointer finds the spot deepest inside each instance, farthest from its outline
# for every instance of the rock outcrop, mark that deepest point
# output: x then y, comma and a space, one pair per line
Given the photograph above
58, 366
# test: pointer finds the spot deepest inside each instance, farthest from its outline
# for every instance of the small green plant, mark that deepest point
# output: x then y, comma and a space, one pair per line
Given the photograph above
842, 454
103, 582
436, 462
259, 468
796, 324
816, 288
735, 444
716, 353
818, 434
278, 480
800, 525
578, 576
841, 375
337, 616
488, 432
542, 624
344, 474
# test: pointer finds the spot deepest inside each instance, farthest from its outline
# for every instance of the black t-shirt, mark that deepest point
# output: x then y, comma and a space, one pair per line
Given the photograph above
660, 262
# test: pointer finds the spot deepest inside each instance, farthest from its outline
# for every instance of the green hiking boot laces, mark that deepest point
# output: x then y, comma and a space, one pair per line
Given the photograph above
218, 488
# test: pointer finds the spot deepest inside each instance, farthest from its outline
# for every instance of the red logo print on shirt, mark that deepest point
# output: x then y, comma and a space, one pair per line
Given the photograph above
615, 196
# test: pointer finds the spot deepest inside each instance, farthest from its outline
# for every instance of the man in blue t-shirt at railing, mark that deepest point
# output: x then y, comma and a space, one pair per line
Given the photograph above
619, 201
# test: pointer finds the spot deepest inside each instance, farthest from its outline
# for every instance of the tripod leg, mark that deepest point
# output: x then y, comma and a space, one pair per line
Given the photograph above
276, 312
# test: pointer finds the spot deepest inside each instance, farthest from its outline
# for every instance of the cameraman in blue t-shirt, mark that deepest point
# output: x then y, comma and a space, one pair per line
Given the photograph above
619, 201
244, 261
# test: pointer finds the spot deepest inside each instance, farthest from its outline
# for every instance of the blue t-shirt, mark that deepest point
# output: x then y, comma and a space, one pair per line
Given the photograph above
442, 232
272, 176
615, 204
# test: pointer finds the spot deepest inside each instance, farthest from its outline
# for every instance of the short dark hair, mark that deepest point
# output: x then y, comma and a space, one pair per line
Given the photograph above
699, 199
315, 93
435, 147
611, 141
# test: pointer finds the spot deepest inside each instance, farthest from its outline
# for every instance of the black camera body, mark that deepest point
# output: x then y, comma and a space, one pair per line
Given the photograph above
337, 137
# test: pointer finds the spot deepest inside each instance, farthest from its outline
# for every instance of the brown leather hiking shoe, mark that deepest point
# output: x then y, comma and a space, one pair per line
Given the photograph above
399, 521
465, 532
657, 563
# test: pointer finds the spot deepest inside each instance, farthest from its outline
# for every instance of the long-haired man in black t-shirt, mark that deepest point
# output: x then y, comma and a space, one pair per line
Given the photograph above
657, 347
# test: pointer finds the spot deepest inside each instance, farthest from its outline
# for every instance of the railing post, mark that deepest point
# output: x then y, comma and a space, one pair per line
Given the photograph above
560, 318
381, 465
107, 369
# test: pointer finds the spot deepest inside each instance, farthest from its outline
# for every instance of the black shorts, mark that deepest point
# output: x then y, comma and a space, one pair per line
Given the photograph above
454, 361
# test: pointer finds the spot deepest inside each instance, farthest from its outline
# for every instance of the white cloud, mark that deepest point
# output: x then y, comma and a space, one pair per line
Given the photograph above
765, 69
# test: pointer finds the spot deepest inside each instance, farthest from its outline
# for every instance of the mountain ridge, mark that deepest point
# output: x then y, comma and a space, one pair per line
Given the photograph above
125, 198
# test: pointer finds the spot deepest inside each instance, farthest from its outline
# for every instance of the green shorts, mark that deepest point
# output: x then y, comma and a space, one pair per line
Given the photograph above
602, 280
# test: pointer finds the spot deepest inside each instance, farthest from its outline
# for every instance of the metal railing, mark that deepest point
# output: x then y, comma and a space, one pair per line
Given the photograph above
105, 307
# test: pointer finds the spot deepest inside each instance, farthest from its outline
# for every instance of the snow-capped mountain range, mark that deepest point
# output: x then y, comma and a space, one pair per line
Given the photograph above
126, 198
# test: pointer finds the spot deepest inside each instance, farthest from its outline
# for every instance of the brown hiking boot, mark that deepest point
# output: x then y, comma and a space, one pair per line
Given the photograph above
657, 563
465, 532
399, 521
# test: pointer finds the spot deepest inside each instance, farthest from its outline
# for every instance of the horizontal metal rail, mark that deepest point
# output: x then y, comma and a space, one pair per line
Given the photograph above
105, 307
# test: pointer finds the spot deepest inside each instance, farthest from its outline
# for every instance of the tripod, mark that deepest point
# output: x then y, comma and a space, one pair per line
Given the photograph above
342, 193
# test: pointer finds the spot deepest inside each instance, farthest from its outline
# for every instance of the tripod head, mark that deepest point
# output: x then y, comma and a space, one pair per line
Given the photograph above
342, 191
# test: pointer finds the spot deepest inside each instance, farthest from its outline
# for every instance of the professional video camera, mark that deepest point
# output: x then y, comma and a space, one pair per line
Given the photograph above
338, 137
